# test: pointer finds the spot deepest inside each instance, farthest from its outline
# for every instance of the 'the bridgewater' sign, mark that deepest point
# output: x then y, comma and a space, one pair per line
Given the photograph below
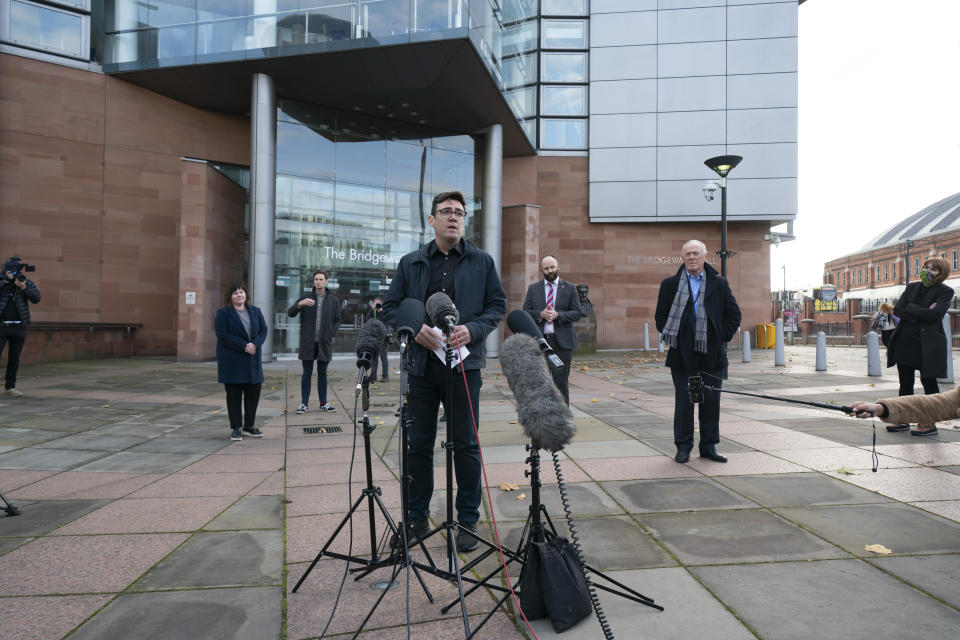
668, 260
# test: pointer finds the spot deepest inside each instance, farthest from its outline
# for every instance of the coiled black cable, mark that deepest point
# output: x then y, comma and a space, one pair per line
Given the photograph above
575, 540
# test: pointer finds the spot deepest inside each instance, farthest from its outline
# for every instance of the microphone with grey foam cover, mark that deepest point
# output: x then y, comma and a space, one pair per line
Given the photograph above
442, 312
369, 342
519, 321
541, 410
410, 317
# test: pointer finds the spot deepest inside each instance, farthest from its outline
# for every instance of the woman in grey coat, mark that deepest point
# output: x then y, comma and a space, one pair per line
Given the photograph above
319, 313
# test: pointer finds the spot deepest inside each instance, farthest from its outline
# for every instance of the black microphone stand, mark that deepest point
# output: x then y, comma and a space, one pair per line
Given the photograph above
9, 508
371, 493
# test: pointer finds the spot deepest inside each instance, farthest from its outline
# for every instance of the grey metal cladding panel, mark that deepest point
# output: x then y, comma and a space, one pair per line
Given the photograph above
765, 160
686, 163
684, 198
692, 59
621, 29
746, 126
688, 4
692, 25
762, 56
613, 200
691, 127
614, 6
623, 63
623, 164
757, 91
692, 94
623, 130
761, 21
756, 198
623, 96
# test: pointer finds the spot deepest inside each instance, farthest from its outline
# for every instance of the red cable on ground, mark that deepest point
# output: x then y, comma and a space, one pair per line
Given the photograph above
486, 485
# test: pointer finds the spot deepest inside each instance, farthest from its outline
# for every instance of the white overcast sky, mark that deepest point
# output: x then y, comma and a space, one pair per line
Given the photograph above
879, 124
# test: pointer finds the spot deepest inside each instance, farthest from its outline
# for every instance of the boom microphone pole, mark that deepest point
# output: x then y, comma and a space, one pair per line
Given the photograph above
695, 387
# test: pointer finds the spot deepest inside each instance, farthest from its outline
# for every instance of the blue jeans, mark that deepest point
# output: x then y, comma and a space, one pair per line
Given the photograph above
427, 392
321, 381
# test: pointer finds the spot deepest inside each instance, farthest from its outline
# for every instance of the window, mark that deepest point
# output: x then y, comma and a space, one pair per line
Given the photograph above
886, 272
563, 134
955, 264
563, 7
859, 276
893, 270
564, 67
520, 70
564, 101
564, 34
844, 278
916, 266
58, 31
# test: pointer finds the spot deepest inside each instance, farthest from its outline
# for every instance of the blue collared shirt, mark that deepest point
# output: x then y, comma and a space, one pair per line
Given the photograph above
695, 283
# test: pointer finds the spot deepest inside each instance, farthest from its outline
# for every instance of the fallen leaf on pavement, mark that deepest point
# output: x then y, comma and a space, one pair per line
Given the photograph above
847, 472
877, 548
521, 496
509, 486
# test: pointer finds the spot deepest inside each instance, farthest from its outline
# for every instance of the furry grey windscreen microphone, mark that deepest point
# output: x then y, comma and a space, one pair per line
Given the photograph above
542, 412
440, 308
369, 341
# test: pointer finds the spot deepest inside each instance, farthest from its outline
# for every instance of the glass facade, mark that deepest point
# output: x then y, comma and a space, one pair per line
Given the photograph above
352, 197
61, 30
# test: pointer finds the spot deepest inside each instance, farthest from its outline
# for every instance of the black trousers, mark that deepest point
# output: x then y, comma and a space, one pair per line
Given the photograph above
249, 396
683, 410
14, 335
561, 377
908, 377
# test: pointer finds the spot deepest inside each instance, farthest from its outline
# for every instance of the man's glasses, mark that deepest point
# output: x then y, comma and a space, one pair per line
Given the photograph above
450, 211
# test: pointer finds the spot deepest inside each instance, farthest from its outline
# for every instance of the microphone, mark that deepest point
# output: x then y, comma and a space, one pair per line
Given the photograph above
442, 312
520, 322
541, 410
410, 317
369, 342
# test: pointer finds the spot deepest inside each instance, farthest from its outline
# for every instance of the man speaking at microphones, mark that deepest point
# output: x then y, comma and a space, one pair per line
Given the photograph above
554, 305
452, 266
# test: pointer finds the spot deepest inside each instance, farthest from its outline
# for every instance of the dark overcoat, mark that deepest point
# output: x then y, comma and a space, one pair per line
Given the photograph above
566, 302
923, 324
234, 365
329, 323
723, 319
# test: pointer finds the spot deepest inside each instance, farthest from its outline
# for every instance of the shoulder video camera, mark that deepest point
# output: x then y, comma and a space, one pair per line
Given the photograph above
17, 267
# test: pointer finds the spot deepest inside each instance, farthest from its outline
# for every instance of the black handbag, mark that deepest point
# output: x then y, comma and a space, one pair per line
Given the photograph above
553, 584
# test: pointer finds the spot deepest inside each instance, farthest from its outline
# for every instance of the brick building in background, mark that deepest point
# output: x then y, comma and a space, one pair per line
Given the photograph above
152, 152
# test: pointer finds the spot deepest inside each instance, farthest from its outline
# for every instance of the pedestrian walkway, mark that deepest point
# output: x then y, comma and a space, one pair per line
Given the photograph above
140, 519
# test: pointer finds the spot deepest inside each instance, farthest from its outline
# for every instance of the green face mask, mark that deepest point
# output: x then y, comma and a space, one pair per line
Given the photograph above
925, 277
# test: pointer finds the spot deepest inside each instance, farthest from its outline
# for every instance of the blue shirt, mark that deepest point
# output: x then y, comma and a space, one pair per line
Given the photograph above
695, 283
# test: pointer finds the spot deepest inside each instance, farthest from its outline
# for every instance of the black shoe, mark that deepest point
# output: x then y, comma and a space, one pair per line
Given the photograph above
931, 431
893, 428
683, 455
236, 435
711, 454
465, 541
253, 432
415, 529
384, 379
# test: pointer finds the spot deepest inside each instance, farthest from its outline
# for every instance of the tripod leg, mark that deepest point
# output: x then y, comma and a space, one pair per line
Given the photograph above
9, 508
393, 576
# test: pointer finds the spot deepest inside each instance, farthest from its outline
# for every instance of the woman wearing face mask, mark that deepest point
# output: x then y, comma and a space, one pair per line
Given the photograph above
919, 343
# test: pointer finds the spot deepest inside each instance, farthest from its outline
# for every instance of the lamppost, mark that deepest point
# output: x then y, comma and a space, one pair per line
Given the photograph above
906, 266
722, 165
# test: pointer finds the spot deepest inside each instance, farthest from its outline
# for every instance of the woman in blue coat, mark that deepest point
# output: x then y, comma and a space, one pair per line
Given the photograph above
241, 330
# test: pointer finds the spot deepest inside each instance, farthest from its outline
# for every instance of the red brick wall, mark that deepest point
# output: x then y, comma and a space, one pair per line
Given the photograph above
625, 263
90, 192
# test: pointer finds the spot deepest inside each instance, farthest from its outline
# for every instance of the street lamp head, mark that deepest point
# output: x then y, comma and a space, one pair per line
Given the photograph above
723, 164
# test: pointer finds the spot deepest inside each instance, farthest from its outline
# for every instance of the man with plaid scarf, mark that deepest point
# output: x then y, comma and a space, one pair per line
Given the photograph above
696, 316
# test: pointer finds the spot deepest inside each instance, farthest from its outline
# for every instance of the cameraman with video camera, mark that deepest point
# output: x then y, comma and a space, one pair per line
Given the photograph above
15, 292
376, 313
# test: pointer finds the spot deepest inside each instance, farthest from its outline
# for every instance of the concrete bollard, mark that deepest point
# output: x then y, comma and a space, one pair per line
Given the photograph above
646, 337
778, 359
659, 342
746, 346
947, 332
821, 351
873, 354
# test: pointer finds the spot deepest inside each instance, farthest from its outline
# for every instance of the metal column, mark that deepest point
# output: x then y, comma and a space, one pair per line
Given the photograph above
263, 185
493, 209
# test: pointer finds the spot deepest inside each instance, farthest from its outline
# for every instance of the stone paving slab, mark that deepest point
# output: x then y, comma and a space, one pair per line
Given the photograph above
899, 527
239, 614
835, 458
51, 459
250, 512
799, 489
41, 516
129, 462
678, 494
46, 617
85, 484
829, 599
908, 485
937, 575
148, 515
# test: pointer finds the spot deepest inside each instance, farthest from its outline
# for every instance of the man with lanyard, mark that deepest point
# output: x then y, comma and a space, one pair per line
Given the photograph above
554, 305
468, 275
15, 293
696, 315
